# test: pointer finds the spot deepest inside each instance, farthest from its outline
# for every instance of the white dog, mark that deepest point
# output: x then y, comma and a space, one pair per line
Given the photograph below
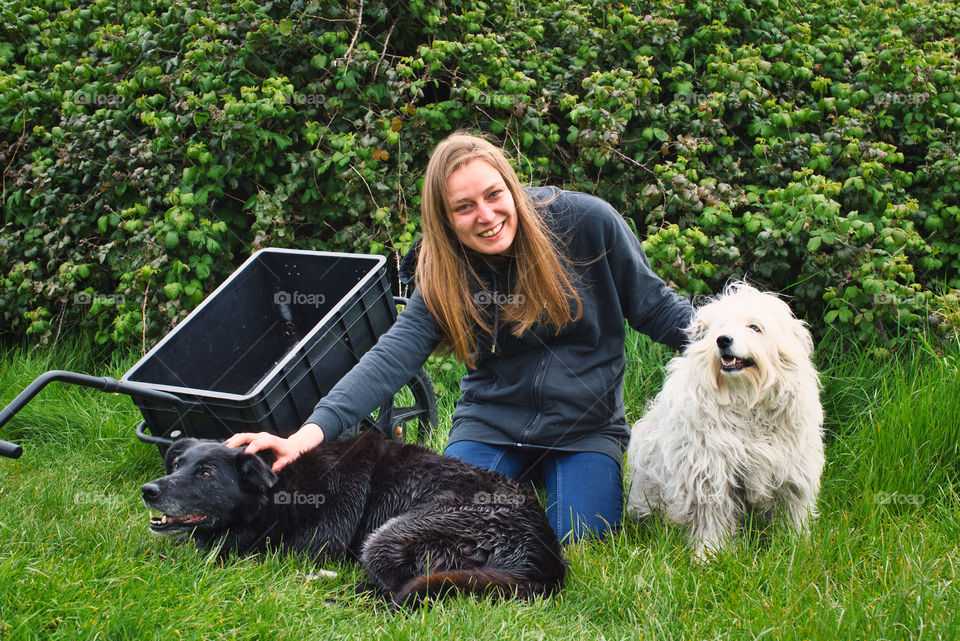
737, 425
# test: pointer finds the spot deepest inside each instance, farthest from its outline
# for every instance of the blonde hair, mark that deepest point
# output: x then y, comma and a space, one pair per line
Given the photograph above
543, 291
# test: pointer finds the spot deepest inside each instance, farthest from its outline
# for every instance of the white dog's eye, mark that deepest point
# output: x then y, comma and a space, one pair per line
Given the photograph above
755, 328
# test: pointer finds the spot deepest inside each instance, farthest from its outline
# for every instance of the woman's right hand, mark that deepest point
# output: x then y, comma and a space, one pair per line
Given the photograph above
286, 449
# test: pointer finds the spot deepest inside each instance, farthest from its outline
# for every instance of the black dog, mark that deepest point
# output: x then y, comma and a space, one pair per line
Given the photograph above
421, 524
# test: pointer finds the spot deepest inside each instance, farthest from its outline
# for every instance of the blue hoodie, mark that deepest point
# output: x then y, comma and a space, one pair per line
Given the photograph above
548, 390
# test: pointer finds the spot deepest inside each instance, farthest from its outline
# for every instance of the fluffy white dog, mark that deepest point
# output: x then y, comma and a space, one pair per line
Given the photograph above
737, 425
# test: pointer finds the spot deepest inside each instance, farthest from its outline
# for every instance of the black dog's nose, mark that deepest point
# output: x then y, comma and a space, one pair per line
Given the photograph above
150, 491
724, 342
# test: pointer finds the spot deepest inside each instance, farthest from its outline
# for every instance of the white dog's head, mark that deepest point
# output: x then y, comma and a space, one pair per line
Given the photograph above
745, 341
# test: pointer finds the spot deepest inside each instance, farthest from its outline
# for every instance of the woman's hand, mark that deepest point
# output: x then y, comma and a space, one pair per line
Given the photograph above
286, 449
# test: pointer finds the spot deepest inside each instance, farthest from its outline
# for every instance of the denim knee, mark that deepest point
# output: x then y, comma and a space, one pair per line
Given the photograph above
584, 495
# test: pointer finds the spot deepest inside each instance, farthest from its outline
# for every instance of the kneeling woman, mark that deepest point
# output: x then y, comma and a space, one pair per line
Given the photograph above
529, 288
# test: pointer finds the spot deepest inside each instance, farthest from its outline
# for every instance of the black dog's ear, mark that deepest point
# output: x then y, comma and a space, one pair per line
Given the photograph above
255, 473
179, 447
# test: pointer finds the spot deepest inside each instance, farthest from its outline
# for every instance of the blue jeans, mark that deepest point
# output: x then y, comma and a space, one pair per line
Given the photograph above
584, 490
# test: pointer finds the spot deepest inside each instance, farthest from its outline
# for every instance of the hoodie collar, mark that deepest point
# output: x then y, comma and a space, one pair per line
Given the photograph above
408, 264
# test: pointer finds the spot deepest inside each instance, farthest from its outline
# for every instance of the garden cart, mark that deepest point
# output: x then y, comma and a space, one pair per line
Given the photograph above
261, 350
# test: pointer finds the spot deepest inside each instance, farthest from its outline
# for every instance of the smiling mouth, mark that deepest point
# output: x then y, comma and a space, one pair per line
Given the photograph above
730, 364
491, 232
165, 522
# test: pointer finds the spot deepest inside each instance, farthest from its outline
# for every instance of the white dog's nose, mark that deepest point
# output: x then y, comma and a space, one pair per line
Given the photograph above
724, 341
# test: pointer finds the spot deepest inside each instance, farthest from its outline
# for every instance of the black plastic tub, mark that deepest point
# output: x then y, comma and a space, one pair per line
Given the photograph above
270, 342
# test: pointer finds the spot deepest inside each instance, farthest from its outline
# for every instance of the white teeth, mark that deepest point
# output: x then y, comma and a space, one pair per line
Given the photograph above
492, 232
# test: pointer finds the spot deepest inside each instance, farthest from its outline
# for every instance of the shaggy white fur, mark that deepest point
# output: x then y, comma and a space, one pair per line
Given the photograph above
737, 425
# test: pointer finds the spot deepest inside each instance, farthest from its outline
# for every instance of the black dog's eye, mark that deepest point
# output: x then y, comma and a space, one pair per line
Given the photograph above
755, 328
206, 473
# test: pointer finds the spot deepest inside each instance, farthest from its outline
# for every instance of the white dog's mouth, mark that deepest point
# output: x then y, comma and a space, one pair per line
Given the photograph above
731, 364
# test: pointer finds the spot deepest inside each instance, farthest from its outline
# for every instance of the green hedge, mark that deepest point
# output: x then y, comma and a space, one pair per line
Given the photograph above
148, 146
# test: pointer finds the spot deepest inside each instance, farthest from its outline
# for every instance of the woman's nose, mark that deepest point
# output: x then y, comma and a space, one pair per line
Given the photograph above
485, 213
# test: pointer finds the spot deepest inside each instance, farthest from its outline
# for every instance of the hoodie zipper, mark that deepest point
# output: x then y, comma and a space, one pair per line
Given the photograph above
541, 370
496, 313
536, 398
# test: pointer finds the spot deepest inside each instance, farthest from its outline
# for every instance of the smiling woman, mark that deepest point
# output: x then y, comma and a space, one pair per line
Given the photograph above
469, 188
484, 218
530, 288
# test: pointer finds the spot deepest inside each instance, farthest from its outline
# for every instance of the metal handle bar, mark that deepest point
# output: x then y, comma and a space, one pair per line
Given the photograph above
10, 450
104, 383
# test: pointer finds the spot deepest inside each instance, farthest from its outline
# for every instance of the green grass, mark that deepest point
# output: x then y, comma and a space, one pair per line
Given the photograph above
77, 560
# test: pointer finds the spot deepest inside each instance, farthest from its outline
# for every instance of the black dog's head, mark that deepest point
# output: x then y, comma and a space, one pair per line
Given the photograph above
208, 487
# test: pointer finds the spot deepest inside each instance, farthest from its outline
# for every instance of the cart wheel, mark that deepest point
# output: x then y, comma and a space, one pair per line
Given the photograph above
413, 412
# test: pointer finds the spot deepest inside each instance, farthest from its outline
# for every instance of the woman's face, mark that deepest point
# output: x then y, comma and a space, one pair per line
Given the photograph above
481, 208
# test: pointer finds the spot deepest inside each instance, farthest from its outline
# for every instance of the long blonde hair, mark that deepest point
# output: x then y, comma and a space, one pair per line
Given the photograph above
543, 292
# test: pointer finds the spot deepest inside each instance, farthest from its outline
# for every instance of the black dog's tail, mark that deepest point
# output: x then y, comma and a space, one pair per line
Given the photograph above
484, 582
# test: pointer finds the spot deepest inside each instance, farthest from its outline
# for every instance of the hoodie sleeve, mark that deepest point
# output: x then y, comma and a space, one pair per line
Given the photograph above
384, 369
647, 303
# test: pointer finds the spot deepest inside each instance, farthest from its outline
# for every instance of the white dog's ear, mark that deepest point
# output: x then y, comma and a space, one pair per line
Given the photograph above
803, 335
800, 348
696, 330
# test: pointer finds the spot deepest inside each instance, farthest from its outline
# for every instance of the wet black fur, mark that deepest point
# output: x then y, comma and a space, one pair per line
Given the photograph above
420, 523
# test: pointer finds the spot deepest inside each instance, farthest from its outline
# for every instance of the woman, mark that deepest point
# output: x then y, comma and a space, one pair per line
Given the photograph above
530, 288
